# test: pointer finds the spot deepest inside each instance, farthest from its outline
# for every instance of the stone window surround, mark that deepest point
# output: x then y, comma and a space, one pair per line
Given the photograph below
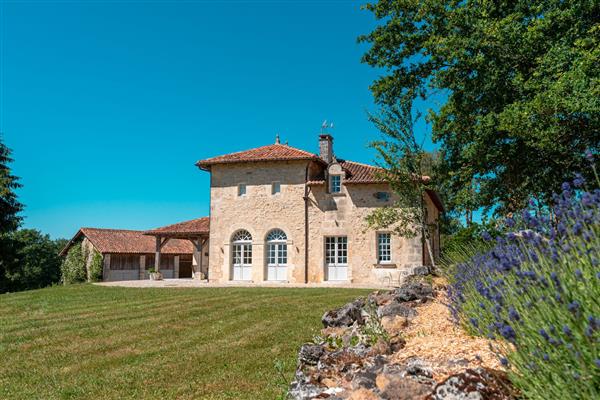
242, 189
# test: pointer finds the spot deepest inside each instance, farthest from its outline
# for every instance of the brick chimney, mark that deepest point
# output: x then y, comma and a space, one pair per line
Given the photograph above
326, 147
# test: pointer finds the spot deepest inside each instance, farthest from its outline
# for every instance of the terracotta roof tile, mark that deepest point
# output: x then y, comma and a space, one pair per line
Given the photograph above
126, 241
355, 173
272, 152
199, 226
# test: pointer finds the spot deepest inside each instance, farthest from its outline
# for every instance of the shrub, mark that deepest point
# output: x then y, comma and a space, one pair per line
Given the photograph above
95, 267
538, 292
73, 267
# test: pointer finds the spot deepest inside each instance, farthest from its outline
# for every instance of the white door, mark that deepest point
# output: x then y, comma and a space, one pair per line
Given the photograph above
277, 255
242, 262
336, 258
277, 262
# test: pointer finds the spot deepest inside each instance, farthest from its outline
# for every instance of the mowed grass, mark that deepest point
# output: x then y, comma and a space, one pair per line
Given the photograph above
92, 342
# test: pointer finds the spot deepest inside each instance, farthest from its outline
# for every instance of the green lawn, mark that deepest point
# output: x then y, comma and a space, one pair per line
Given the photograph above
87, 341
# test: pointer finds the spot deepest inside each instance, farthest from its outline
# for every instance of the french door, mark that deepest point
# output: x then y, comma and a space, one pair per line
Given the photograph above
242, 262
277, 262
336, 258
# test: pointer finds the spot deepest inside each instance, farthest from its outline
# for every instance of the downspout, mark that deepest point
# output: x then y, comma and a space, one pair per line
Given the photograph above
306, 224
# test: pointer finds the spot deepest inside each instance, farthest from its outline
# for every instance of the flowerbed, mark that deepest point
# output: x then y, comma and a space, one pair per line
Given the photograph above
537, 290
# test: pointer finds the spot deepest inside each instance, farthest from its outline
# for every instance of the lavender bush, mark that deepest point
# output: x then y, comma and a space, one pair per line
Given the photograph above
537, 291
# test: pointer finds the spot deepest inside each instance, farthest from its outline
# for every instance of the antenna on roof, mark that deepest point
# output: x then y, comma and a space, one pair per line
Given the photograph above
325, 125
277, 139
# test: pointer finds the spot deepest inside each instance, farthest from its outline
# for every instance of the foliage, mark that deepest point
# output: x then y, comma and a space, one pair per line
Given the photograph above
73, 267
214, 343
519, 85
372, 331
95, 267
36, 263
9, 216
403, 160
538, 291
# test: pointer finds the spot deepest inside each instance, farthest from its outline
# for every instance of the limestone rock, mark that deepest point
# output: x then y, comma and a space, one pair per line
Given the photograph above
396, 309
345, 315
310, 354
474, 384
412, 291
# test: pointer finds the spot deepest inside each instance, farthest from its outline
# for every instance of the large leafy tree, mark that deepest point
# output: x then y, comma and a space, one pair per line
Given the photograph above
9, 214
521, 83
37, 263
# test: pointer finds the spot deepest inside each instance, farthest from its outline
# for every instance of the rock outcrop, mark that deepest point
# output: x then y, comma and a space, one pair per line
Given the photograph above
359, 356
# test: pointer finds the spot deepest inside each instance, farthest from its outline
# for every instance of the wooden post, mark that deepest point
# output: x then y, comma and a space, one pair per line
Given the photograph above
157, 256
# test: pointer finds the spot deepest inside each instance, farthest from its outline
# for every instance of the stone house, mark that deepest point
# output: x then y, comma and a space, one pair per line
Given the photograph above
280, 214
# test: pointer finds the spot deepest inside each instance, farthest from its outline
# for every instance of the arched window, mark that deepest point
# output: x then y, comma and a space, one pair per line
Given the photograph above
277, 255
241, 246
242, 236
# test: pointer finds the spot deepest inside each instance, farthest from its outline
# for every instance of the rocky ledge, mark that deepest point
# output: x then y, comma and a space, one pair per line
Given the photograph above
397, 344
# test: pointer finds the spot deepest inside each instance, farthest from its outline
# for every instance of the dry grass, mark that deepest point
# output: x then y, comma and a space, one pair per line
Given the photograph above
432, 336
89, 342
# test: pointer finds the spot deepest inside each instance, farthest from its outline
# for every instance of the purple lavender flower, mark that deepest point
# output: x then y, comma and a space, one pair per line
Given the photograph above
589, 155
567, 331
578, 181
486, 236
544, 334
574, 306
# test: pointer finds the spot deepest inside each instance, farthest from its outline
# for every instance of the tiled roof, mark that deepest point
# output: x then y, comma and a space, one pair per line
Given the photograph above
126, 241
272, 152
199, 226
355, 173
361, 173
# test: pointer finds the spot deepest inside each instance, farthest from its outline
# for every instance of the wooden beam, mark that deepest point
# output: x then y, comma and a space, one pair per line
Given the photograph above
163, 241
157, 254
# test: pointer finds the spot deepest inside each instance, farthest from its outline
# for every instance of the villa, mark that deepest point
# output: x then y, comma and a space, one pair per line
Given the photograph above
277, 213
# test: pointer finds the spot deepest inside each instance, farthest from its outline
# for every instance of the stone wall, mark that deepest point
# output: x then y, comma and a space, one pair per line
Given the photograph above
258, 212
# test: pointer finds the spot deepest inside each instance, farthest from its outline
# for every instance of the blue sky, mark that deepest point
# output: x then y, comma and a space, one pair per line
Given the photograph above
107, 105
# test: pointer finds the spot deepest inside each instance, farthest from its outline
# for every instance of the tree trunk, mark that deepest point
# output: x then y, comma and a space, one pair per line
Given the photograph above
430, 251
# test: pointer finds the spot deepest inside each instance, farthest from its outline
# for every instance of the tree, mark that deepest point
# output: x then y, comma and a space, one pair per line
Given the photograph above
522, 86
37, 263
9, 214
405, 164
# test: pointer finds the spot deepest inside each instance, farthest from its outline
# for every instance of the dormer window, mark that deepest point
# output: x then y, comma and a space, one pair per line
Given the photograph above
335, 183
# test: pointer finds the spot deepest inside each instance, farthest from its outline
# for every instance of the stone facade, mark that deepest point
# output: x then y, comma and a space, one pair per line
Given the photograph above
259, 211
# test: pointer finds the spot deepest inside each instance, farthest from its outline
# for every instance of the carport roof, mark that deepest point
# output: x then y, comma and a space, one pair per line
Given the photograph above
194, 227
123, 241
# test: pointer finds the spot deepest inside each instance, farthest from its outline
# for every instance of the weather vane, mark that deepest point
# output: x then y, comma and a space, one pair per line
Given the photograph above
325, 125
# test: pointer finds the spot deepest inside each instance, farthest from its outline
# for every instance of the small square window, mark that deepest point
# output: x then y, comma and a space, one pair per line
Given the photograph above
335, 183
242, 189
275, 188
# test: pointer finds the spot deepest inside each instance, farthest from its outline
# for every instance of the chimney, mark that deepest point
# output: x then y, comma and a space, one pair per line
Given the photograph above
326, 147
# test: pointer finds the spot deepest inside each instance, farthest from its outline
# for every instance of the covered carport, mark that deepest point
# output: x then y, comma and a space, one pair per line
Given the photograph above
196, 231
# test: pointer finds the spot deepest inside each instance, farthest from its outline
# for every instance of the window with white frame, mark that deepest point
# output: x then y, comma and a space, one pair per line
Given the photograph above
275, 187
242, 189
335, 183
384, 248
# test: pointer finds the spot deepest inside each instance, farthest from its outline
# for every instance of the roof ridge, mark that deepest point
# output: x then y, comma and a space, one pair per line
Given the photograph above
363, 164
257, 148
110, 229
